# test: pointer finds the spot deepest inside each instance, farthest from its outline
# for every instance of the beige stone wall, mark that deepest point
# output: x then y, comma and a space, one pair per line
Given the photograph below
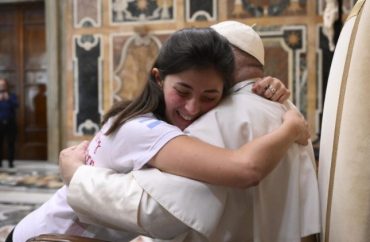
107, 47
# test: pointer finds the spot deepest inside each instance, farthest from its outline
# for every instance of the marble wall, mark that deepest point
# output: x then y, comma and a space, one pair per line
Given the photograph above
111, 44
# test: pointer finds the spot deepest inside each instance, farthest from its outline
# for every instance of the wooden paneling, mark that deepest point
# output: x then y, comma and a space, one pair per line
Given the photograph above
22, 61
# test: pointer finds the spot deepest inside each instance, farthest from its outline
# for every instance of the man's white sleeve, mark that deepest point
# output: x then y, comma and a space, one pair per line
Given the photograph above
121, 205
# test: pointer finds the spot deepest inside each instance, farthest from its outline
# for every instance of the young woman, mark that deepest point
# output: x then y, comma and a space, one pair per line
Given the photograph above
190, 76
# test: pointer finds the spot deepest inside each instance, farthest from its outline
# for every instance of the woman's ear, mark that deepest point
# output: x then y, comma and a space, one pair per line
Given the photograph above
157, 76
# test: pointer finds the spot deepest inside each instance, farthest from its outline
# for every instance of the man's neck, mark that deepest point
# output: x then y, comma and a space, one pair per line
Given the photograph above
243, 74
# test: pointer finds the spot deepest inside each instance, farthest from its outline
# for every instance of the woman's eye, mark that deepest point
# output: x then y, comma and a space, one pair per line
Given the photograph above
182, 93
209, 99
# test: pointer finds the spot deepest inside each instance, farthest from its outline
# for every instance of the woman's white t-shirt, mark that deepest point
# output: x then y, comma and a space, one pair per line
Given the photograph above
130, 148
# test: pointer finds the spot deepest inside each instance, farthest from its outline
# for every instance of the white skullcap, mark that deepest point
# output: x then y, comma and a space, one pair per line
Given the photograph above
243, 37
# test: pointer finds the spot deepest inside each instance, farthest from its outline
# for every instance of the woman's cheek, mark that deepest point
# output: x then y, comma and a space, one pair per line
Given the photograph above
173, 99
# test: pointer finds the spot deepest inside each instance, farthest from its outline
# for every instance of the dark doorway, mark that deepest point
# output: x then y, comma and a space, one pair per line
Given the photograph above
23, 63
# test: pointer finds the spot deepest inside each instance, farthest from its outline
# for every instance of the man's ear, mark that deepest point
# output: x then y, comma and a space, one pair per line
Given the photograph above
157, 76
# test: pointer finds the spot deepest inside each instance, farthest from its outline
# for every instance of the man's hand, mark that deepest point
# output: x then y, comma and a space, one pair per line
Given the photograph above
271, 88
70, 159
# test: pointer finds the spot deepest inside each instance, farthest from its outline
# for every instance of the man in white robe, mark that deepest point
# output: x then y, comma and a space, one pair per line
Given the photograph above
284, 207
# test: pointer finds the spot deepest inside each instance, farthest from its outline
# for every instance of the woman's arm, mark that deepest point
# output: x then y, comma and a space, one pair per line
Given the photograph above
192, 158
244, 167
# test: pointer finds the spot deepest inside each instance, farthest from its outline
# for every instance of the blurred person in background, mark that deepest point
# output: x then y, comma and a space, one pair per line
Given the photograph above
8, 123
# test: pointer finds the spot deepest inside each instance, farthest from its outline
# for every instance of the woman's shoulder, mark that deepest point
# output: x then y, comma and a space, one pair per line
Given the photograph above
144, 129
142, 125
149, 121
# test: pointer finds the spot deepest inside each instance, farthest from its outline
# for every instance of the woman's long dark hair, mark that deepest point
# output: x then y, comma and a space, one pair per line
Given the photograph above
185, 49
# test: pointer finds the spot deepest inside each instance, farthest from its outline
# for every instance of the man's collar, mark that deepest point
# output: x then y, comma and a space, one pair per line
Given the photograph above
243, 84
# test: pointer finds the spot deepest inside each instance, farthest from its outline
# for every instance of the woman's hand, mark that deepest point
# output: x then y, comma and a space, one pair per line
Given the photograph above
70, 159
298, 125
271, 88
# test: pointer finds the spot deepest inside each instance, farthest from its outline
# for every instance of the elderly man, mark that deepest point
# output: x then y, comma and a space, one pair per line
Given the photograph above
282, 208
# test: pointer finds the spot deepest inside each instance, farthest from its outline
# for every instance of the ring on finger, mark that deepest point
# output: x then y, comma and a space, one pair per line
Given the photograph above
272, 90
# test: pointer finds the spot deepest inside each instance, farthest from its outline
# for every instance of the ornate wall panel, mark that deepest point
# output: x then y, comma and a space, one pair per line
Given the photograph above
132, 32
87, 83
347, 5
261, 8
204, 10
286, 58
126, 11
132, 58
87, 13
